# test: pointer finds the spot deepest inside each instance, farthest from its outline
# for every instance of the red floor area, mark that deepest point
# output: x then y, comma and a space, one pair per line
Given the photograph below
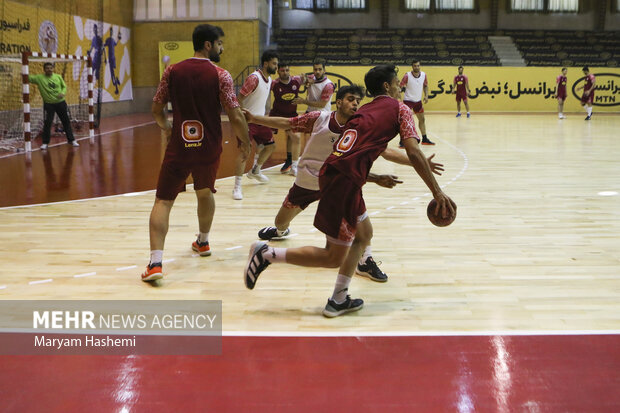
360, 374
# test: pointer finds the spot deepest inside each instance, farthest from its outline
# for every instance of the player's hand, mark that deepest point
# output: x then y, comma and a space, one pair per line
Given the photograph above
167, 133
61, 95
436, 168
586, 92
249, 118
445, 205
387, 181
298, 101
425, 99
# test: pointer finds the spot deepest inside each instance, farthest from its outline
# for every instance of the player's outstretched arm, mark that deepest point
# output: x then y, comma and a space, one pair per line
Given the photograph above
269, 121
422, 167
386, 181
397, 156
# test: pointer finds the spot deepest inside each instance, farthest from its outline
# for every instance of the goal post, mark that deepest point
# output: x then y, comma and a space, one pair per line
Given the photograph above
21, 114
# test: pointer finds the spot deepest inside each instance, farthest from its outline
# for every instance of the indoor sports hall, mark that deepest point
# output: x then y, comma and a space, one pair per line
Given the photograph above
513, 307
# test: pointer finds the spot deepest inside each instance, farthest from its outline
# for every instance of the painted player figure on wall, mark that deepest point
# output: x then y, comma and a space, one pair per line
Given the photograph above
95, 51
110, 43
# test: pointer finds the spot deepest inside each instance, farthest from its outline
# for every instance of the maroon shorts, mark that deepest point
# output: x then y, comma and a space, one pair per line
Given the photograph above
415, 106
173, 174
299, 197
281, 115
587, 99
562, 96
261, 134
340, 208
461, 97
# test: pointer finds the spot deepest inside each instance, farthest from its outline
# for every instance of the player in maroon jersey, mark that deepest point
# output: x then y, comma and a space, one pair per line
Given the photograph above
286, 88
461, 89
560, 94
197, 89
341, 213
588, 92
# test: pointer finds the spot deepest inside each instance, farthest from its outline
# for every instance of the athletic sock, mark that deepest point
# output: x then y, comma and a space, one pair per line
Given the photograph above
424, 137
341, 288
294, 163
156, 256
367, 253
272, 254
257, 167
203, 237
280, 233
289, 157
589, 110
238, 180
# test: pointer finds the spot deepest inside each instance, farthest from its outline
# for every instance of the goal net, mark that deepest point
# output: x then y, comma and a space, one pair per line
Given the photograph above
21, 106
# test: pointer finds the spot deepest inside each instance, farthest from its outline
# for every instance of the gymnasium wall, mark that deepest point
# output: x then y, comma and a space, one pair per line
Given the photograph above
241, 49
499, 89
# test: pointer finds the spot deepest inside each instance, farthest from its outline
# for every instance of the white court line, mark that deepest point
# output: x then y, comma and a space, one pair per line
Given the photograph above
87, 274
443, 333
168, 260
390, 207
233, 248
126, 268
49, 280
2, 287
374, 213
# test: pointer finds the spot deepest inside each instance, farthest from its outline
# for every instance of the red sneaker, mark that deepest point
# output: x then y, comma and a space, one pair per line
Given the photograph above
202, 248
153, 272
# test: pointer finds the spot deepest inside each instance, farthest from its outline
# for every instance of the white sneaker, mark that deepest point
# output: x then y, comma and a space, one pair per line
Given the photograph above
74, 143
293, 170
260, 177
561, 116
44, 147
237, 194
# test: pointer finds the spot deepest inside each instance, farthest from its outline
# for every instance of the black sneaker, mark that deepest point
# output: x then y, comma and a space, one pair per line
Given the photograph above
286, 167
269, 233
426, 141
256, 264
333, 309
371, 270
588, 117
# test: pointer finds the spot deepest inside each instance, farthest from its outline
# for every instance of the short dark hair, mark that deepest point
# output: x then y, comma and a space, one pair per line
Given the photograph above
585, 69
46, 64
415, 60
268, 55
378, 75
563, 69
282, 64
460, 67
205, 33
319, 61
352, 89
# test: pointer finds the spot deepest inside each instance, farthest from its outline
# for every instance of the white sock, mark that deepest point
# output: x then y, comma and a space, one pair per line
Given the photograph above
203, 237
589, 110
238, 180
280, 233
295, 163
341, 288
256, 168
468, 113
367, 253
275, 254
156, 256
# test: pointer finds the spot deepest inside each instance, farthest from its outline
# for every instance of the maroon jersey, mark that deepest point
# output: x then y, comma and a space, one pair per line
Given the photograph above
197, 89
367, 134
283, 94
589, 83
561, 82
461, 81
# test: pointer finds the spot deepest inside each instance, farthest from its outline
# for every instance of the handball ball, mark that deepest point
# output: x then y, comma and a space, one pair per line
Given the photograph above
438, 220
166, 59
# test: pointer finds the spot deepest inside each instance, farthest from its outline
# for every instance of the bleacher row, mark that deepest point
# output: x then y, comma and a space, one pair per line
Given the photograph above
445, 47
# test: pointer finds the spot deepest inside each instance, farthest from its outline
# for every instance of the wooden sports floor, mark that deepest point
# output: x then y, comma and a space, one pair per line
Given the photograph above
514, 307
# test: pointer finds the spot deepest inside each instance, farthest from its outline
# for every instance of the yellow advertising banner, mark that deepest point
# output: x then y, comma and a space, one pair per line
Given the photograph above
28, 28
499, 89
174, 52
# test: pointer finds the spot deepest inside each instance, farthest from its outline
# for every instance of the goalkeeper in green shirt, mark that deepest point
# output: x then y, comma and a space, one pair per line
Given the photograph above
53, 90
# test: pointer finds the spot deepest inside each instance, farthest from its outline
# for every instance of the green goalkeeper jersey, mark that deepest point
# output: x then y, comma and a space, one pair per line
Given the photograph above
50, 87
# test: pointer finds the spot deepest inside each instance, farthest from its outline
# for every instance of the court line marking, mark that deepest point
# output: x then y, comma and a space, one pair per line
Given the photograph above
2, 287
49, 280
126, 268
87, 274
233, 248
